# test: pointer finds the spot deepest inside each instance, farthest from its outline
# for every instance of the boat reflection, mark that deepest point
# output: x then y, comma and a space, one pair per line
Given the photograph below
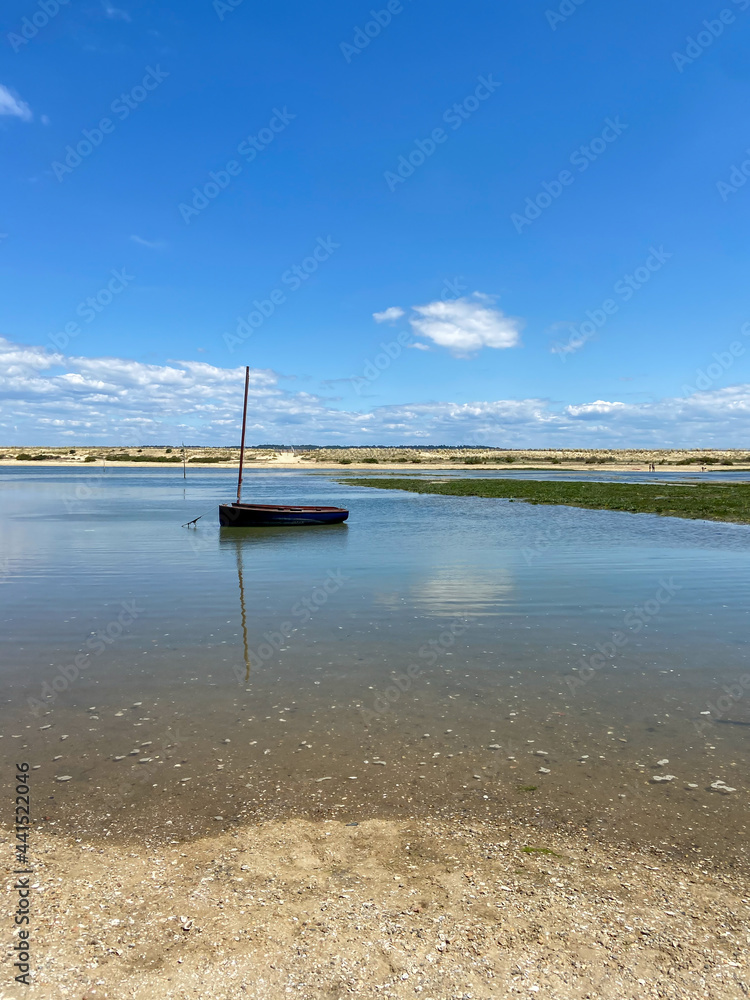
243, 609
251, 538
265, 536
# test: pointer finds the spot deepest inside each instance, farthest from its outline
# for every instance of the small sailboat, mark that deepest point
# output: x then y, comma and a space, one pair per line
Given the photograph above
254, 515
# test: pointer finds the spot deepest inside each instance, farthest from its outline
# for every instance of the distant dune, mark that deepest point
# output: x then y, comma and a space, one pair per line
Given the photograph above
270, 456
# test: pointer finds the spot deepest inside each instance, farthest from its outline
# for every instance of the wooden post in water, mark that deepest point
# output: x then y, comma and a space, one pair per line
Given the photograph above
242, 443
184, 468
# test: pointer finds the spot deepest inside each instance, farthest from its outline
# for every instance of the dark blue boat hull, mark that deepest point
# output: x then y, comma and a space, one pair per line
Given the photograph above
247, 515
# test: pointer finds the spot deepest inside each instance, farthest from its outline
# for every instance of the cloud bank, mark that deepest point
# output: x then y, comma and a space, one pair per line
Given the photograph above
49, 398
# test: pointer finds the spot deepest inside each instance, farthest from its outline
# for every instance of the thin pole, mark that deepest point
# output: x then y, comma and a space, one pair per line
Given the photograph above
242, 444
184, 467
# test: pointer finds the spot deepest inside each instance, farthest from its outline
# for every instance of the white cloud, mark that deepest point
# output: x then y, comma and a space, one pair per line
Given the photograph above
115, 12
11, 104
388, 315
466, 325
151, 244
574, 343
600, 406
50, 398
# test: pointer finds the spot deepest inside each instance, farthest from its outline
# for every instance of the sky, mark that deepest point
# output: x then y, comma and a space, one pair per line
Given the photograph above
509, 225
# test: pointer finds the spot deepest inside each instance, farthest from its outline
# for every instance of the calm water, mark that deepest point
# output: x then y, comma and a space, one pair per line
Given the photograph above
244, 666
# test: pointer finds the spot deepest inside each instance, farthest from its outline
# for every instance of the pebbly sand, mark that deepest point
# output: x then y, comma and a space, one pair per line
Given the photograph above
383, 908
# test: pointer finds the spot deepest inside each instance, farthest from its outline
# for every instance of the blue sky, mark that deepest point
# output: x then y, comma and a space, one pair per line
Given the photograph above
488, 273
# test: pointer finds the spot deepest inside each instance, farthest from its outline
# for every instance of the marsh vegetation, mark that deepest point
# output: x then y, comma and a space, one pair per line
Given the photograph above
710, 501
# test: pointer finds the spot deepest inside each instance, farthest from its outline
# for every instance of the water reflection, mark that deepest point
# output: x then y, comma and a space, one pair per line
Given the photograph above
404, 557
301, 535
551, 584
455, 591
243, 610
244, 540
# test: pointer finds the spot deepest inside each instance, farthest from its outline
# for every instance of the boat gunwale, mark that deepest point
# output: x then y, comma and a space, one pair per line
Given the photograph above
284, 508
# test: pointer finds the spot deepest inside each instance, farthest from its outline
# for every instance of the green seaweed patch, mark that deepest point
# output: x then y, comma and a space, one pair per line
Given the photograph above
528, 788
541, 850
706, 501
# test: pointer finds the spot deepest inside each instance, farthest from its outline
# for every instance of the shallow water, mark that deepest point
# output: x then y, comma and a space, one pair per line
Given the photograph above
472, 620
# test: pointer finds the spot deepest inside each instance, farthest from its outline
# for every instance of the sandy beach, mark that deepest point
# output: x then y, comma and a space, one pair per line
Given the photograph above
398, 909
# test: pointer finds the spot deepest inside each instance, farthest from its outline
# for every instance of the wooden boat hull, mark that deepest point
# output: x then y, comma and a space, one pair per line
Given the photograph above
251, 515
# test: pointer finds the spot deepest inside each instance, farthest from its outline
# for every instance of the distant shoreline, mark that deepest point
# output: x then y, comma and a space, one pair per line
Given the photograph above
339, 467
401, 458
404, 460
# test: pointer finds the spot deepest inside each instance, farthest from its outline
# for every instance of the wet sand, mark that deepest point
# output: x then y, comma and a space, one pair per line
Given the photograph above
315, 744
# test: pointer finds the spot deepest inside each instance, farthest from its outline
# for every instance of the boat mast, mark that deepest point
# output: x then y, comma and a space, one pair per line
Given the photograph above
242, 445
